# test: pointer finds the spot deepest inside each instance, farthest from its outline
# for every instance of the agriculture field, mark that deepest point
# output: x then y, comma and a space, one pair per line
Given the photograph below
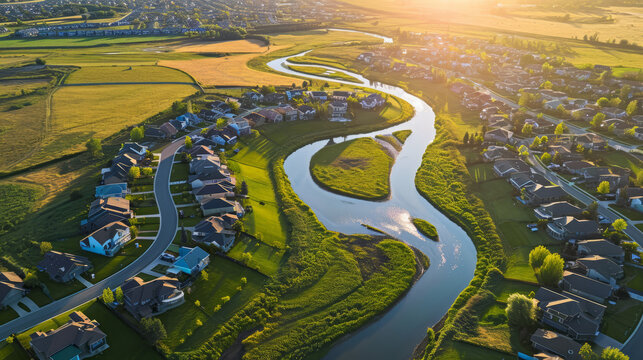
80, 41
116, 74
235, 46
11, 88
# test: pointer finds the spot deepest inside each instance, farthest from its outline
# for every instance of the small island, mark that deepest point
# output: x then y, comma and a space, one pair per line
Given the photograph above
358, 168
426, 228
320, 71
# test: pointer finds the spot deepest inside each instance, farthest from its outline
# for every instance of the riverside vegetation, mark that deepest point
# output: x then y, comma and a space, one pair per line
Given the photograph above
358, 168
426, 228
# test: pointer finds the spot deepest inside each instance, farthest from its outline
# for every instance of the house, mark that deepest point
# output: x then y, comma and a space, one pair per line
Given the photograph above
564, 153
615, 176
600, 268
252, 96
220, 176
628, 193
575, 167
63, 267
144, 299
372, 101
568, 227
273, 98
614, 112
494, 152
578, 317
556, 210
583, 286
318, 95
118, 172
294, 93
134, 150
591, 141
487, 112
154, 132
338, 109
217, 207
11, 289
240, 125
169, 129
341, 95
255, 119
211, 191
205, 164
602, 248
107, 240
506, 167
106, 211
288, 112
307, 112
111, 190
199, 150
191, 260
542, 194
555, 343
585, 114
79, 338
499, 136
521, 180
214, 231
271, 115
617, 126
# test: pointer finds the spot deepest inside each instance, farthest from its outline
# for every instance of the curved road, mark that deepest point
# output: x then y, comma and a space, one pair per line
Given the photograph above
167, 230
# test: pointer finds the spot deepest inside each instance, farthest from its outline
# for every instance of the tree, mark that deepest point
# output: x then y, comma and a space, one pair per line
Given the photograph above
546, 85
592, 208
632, 107
521, 311
535, 143
153, 329
465, 139
45, 246
197, 303
597, 120
217, 308
611, 128
560, 109
546, 158
619, 225
225, 299
134, 172
551, 271
244, 188
631, 132
586, 352
94, 147
234, 106
40, 61
244, 280
221, 123
119, 295
544, 140
603, 102
188, 142
31, 280
147, 172
204, 276
137, 133
557, 159
198, 323
523, 151
527, 129
108, 296
560, 128
610, 353
537, 256
603, 187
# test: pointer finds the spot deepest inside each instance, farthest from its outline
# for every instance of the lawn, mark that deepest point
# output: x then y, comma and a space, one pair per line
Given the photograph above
622, 159
621, 319
391, 140
115, 74
358, 168
180, 171
17, 201
633, 278
456, 350
7, 315
79, 41
120, 337
265, 259
224, 277
12, 352
12, 88
402, 135
628, 212
319, 71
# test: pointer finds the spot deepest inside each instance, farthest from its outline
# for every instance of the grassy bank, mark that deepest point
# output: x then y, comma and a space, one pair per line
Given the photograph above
358, 168
331, 74
426, 228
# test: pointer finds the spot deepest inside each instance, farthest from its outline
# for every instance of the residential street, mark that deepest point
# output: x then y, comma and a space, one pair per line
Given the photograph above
169, 222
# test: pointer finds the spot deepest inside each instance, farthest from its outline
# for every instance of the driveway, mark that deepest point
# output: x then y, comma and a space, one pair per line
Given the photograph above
169, 223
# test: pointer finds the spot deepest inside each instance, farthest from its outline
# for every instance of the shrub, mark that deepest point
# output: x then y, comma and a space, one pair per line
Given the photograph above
521, 310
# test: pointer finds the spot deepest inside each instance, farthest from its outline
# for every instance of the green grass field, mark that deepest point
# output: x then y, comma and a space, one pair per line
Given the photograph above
331, 74
621, 319
426, 228
265, 259
120, 337
402, 135
17, 201
115, 74
79, 42
359, 168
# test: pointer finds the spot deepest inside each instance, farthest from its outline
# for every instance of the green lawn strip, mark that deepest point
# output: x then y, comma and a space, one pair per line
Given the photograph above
633, 278
147, 210
120, 337
142, 188
639, 226
426, 228
191, 215
358, 168
265, 259
81, 41
391, 140
402, 135
621, 319
105, 266
224, 277
17, 201
59, 290
319, 71
149, 227
7, 315
184, 198
179, 188
180, 172
627, 212
622, 159
146, 277
457, 350
12, 352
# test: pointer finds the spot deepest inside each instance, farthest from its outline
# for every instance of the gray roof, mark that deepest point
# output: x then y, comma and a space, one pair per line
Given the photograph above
588, 308
601, 247
57, 264
106, 233
575, 226
80, 331
525, 178
557, 343
587, 285
602, 265
561, 208
547, 191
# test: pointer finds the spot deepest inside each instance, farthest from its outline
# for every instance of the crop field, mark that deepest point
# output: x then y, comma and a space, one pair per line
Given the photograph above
235, 46
80, 41
358, 168
17, 201
116, 74
11, 88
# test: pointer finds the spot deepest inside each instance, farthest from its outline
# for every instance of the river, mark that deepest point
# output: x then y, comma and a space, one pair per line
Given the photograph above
394, 334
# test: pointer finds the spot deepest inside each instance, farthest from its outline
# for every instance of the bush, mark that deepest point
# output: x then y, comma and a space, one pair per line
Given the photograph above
521, 310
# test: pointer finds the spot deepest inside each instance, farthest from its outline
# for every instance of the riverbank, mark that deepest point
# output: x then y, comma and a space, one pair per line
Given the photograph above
357, 168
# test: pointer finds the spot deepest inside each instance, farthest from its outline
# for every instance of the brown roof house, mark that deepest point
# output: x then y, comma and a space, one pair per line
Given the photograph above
63, 267
576, 316
568, 227
499, 136
494, 152
601, 268
144, 299
106, 211
557, 209
79, 338
506, 167
601, 247
11, 289
555, 343
583, 286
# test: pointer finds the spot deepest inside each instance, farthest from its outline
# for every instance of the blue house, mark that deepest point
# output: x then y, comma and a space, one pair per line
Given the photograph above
107, 240
111, 190
192, 260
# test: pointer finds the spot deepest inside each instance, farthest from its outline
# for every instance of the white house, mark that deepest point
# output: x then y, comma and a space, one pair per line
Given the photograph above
107, 240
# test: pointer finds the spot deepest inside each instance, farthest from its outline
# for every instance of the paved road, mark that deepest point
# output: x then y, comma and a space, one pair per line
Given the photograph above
169, 223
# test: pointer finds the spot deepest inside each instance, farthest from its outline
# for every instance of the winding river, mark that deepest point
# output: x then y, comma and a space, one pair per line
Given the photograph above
395, 334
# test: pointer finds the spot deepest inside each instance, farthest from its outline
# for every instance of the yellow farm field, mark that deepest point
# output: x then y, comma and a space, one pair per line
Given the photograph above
80, 112
235, 46
123, 74
229, 70
15, 87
